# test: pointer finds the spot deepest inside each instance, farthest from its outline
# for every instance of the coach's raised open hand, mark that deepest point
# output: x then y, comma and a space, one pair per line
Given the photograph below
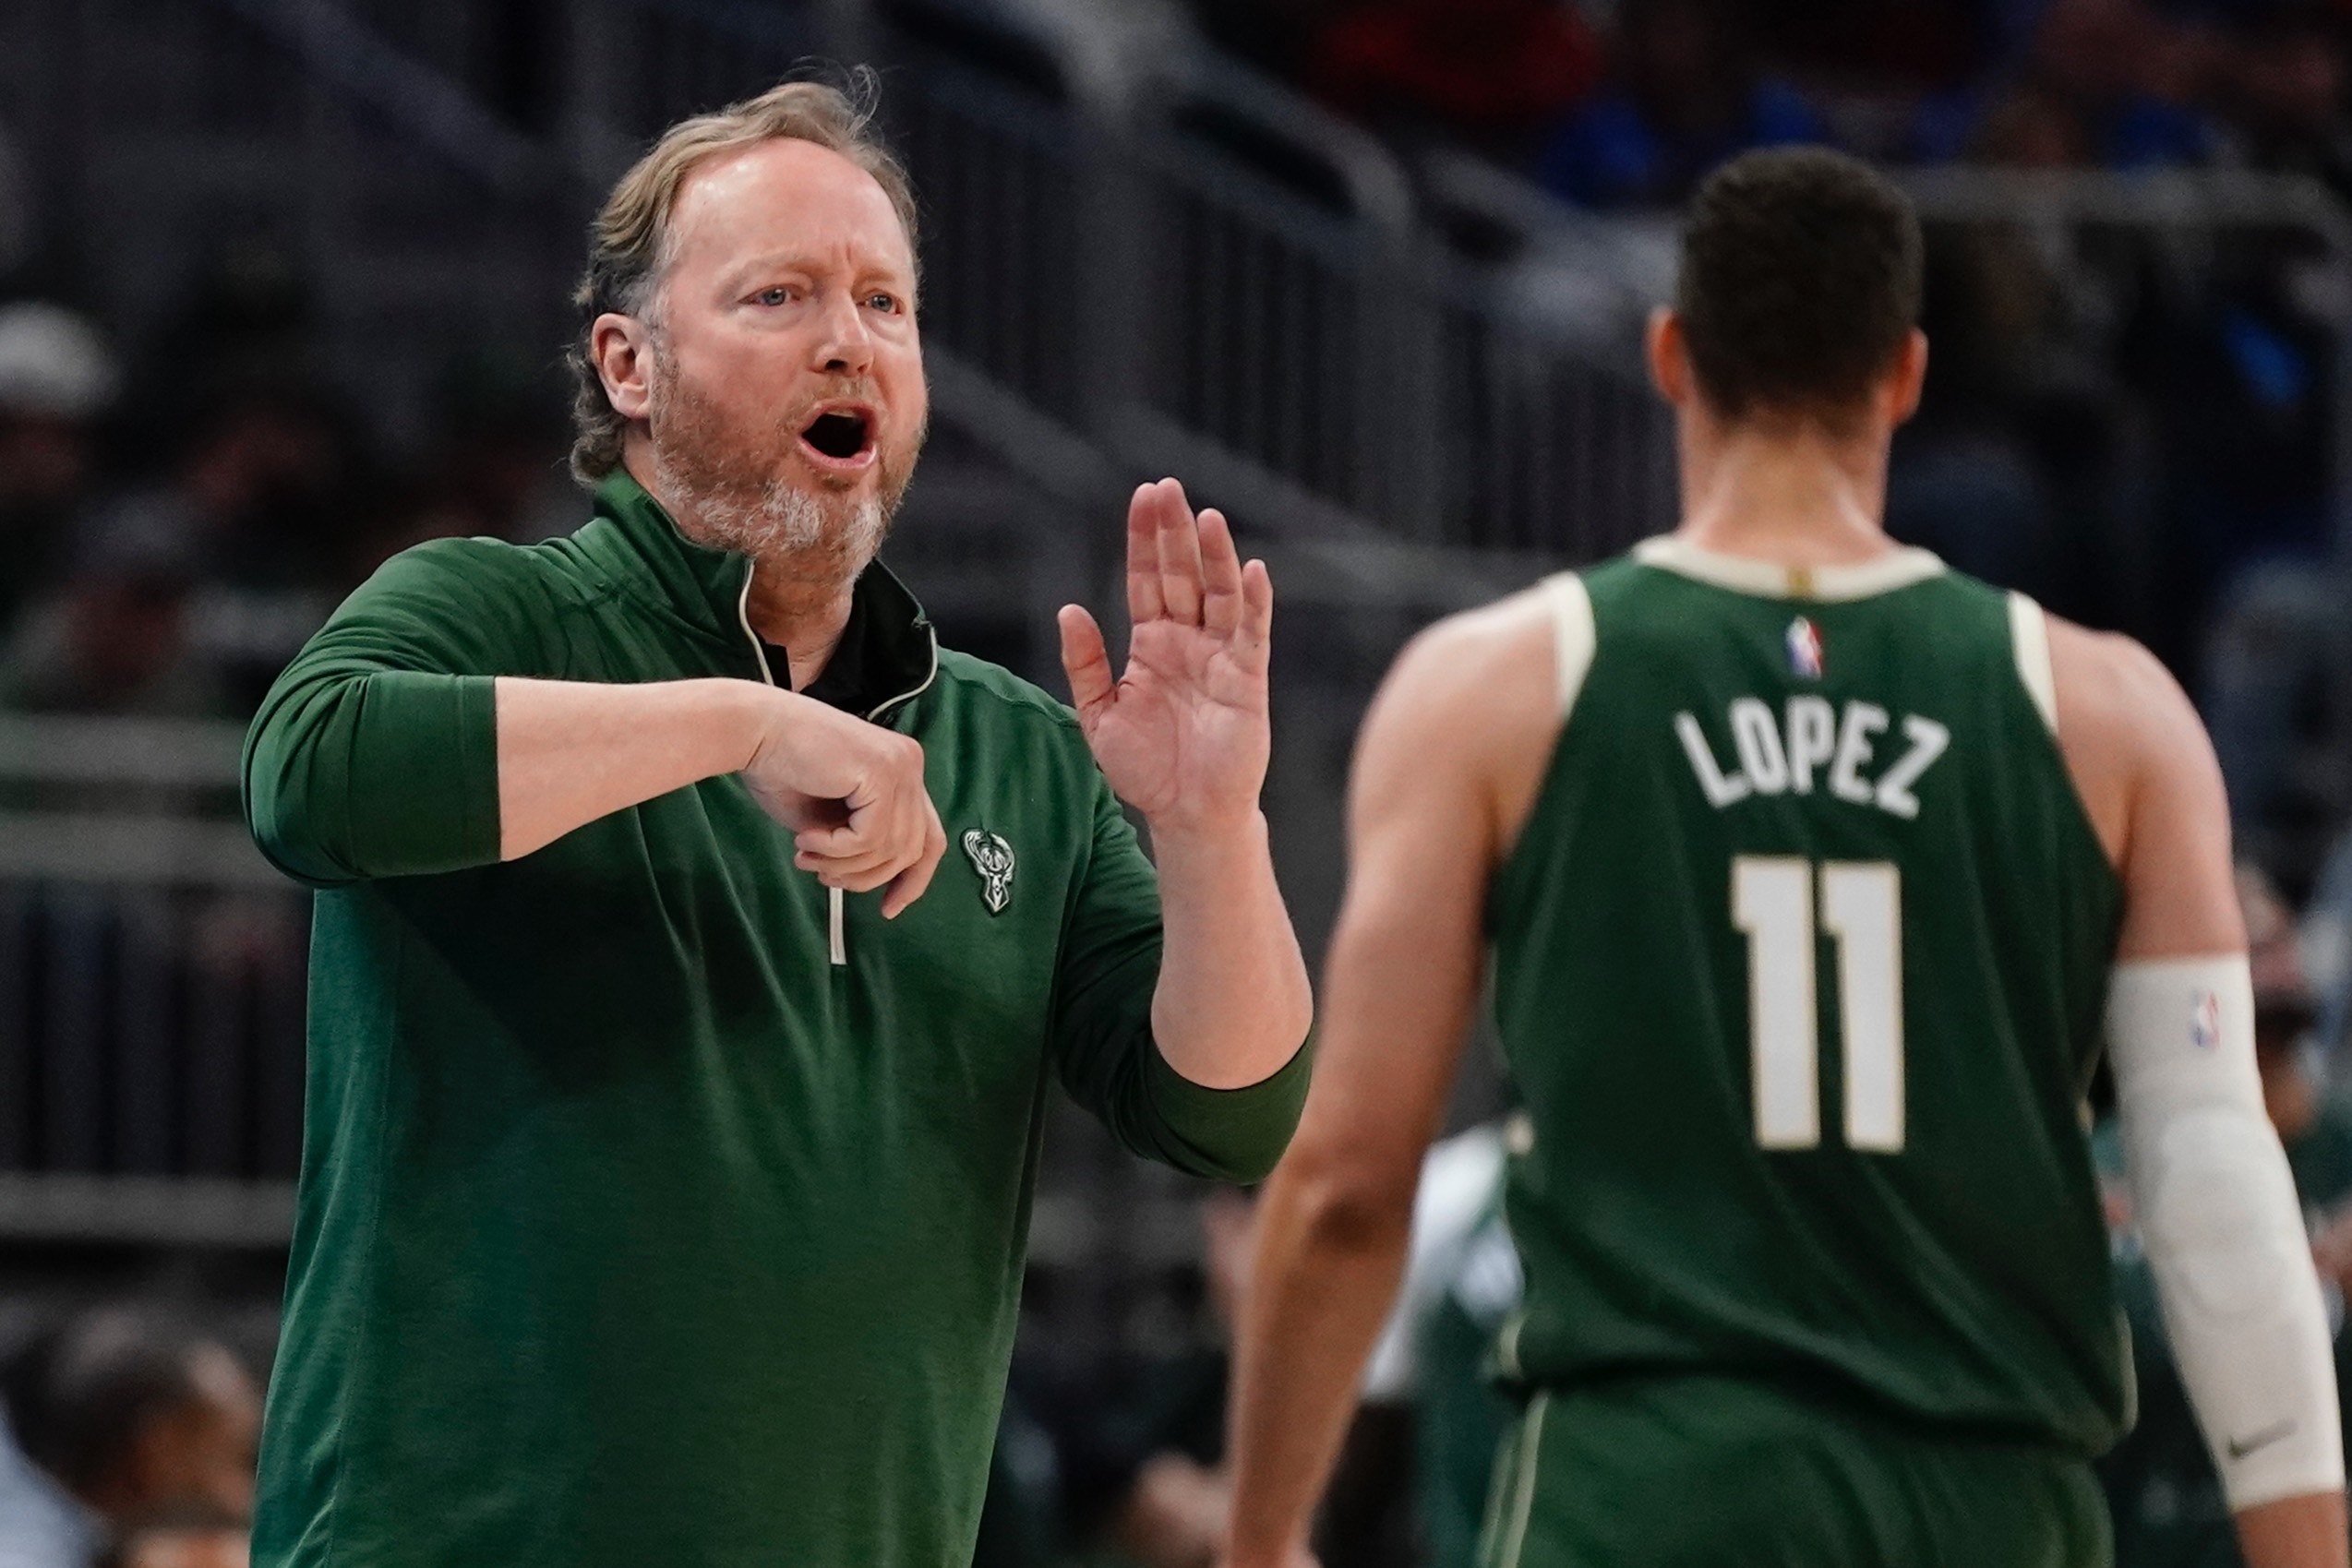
1182, 735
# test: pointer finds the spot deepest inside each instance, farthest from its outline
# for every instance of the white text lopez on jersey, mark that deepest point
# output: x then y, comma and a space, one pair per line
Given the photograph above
1810, 744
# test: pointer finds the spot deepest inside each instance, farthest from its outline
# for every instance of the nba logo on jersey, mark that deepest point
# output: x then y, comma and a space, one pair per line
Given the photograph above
2204, 1022
1804, 648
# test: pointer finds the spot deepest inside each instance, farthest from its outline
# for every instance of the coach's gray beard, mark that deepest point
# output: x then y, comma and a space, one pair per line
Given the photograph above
723, 480
829, 537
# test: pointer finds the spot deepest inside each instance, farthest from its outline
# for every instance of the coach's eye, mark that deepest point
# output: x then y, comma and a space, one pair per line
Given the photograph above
773, 296
887, 303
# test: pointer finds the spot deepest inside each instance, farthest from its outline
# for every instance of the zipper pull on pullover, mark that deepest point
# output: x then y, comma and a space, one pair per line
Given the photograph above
836, 929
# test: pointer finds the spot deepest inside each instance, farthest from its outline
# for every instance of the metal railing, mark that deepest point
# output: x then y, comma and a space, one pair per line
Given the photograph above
151, 987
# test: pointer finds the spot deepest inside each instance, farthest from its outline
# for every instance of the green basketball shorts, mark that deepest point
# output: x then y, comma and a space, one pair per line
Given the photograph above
1706, 1472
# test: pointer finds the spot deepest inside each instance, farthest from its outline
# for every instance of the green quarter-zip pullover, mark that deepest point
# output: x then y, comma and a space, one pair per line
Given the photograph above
657, 1207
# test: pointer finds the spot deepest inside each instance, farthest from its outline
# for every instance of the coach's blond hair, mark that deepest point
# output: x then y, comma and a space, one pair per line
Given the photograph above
629, 244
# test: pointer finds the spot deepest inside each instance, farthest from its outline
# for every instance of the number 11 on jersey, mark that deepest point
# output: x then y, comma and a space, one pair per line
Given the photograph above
1773, 900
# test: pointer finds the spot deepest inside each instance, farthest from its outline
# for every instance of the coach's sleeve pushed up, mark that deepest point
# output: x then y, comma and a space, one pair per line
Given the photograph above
1102, 1034
375, 752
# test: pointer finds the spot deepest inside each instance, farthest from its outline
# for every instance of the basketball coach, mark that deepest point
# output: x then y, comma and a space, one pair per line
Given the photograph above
697, 939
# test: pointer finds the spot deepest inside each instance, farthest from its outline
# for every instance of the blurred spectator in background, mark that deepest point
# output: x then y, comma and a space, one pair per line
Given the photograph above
184, 1539
1688, 89
2162, 1489
1462, 1281
185, 597
1968, 481
118, 1417
1274, 35
2234, 381
56, 380
2279, 91
1888, 76
1154, 1459
2111, 84
1491, 72
245, 320
258, 488
187, 1540
114, 636
497, 471
1128, 1459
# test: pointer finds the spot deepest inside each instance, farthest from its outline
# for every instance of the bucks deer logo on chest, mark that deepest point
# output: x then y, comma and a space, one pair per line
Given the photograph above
1810, 744
992, 858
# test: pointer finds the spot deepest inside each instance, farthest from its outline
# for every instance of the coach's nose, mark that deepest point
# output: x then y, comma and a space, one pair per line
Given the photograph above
844, 345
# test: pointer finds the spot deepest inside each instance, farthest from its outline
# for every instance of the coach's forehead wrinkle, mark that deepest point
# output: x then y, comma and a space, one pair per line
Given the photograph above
840, 257
790, 197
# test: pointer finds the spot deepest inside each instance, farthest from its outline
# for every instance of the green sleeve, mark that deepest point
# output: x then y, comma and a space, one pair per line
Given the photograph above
1102, 1038
375, 752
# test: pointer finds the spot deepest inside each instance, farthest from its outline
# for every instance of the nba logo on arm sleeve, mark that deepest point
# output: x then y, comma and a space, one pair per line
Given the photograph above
2204, 1022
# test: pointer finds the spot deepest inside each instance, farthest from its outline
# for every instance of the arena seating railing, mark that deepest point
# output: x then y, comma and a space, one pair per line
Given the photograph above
151, 982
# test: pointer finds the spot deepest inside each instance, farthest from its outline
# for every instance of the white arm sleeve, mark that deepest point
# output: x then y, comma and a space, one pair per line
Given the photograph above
2218, 1212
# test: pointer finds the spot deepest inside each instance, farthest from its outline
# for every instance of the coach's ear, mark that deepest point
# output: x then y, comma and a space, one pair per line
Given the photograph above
621, 349
1670, 357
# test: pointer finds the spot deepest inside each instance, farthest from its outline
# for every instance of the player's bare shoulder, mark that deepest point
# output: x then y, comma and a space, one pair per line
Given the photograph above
2123, 725
1470, 708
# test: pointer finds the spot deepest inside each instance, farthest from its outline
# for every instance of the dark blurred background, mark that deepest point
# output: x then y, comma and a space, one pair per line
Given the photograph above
282, 291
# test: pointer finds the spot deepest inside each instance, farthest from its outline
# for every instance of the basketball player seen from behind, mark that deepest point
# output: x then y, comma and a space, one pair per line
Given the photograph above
1816, 875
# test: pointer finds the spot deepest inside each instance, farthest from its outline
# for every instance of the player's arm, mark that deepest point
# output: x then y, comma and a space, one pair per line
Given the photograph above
1399, 986
2211, 1187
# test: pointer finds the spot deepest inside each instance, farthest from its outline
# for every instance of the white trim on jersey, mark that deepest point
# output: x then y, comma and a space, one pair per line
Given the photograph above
1774, 579
1572, 635
2028, 633
1530, 1454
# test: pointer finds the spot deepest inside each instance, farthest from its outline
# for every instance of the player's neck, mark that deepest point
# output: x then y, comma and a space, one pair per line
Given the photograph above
1793, 495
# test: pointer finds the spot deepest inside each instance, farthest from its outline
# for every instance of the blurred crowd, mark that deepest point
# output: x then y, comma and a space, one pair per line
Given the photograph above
129, 1443
1618, 103
2137, 423
176, 518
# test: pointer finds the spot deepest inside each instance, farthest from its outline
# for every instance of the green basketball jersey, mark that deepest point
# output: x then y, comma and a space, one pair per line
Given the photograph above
1799, 965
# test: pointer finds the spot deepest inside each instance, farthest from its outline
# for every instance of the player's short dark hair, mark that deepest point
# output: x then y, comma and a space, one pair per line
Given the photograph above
1800, 283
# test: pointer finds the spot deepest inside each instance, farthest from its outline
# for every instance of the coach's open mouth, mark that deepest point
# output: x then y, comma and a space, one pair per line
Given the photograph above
845, 436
